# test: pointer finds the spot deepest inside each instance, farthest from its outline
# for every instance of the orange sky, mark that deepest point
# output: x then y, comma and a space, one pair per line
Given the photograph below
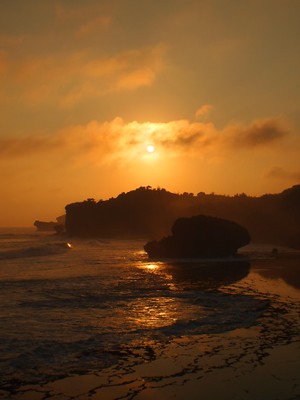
86, 86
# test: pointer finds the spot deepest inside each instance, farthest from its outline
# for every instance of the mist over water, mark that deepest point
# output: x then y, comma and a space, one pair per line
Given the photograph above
70, 311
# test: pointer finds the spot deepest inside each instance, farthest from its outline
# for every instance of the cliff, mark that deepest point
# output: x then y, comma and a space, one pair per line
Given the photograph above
150, 213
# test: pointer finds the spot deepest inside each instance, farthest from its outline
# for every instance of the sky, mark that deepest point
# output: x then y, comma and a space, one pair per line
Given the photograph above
212, 86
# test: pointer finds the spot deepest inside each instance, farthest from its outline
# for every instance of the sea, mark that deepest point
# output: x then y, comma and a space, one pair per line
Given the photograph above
71, 307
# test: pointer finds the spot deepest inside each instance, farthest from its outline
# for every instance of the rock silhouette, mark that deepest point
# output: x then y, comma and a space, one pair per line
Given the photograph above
43, 226
200, 236
58, 226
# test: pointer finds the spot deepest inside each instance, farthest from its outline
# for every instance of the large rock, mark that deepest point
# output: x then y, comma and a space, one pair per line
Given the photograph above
200, 236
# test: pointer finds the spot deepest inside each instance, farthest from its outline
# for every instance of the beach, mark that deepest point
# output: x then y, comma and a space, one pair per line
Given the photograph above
168, 331
188, 374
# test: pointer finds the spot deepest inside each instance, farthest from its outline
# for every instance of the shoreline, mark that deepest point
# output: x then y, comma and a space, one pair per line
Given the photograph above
195, 369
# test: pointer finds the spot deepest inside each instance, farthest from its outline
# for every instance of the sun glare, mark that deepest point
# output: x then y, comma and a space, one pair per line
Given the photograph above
150, 148
151, 267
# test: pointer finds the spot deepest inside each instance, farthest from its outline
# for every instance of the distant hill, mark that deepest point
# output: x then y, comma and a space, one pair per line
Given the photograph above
149, 213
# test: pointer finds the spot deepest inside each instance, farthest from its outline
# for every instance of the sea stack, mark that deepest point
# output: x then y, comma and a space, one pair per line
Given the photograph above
200, 236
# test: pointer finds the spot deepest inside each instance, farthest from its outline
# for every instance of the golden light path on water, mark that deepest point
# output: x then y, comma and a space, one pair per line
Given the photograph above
155, 312
162, 311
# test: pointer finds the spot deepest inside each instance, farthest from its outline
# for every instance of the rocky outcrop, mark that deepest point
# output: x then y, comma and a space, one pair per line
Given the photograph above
58, 227
43, 226
200, 236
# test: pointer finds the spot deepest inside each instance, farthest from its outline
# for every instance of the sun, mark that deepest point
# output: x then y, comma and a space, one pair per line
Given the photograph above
150, 148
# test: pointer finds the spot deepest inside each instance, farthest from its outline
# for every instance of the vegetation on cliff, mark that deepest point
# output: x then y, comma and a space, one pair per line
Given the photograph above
150, 213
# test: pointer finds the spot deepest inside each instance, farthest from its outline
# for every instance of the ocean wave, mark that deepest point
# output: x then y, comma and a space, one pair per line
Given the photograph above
223, 313
36, 251
42, 357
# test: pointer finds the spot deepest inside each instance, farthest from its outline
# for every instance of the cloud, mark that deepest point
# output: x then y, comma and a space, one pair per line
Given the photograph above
93, 26
28, 146
67, 79
144, 76
83, 20
283, 174
203, 110
183, 136
260, 133
130, 69
118, 140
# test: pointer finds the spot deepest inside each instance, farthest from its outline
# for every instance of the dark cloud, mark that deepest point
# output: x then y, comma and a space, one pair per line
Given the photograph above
260, 133
180, 139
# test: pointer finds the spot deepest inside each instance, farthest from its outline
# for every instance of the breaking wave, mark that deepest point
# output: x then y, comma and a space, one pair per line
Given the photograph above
36, 251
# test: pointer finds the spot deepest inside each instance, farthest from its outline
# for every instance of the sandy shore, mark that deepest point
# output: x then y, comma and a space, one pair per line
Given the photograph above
215, 367
260, 362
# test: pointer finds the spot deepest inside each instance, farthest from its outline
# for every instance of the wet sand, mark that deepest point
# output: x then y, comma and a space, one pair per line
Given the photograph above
217, 373
259, 362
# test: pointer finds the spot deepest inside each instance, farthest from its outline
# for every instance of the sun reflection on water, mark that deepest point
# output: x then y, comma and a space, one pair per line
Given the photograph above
154, 312
151, 267
160, 269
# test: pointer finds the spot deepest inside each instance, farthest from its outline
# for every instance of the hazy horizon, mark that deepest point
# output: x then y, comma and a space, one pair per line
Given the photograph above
31, 226
102, 97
